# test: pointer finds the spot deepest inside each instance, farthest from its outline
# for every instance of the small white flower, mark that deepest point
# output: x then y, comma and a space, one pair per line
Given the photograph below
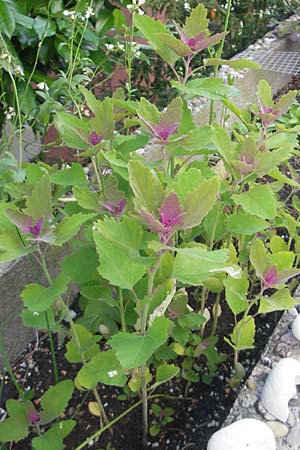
43, 86
66, 13
112, 373
10, 113
36, 313
89, 12
109, 47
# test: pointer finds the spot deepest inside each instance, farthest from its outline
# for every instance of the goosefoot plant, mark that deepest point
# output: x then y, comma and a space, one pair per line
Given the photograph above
204, 212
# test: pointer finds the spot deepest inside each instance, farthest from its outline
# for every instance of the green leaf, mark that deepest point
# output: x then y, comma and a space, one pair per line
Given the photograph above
212, 88
82, 265
118, 244
88, 345
199, 202
259, 201
150, 28
186, 182
223, 143
49, 439
245, 224
279, 301
38, 298
73, 176
56, 6
266, 161
236, 290
44, 27
237, 64
75, 132
173, 113
15, 427
198, 140
148, 192
191, 321
126, 233
277, 175
70, 226
282, 259
103, 122
243, 334
11, 246
133, 350
38, 320
127, 144
87, 199
264, 93
194, 265
259, 257
103, 368
176, 45
117, 164
91, 100
55, 400
53, 438
165, 372
285, 101
7, 19
116, 266
197, 22
148, 112
39, 203
119, 19
278, 244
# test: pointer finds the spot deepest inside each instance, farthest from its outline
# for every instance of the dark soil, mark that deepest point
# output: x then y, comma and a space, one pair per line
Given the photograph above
200, 409
197, 415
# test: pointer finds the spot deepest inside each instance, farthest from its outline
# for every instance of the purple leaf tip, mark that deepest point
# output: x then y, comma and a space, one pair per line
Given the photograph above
164, 131
33, 417
95, 138
36, 229
270, 277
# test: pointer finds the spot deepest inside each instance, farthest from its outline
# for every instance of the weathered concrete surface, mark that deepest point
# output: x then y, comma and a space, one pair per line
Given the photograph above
13, 278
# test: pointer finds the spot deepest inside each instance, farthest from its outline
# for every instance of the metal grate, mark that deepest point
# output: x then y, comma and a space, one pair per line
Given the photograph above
284, 62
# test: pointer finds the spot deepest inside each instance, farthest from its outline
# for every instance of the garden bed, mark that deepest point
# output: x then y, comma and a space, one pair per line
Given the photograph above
199, 408
184, 414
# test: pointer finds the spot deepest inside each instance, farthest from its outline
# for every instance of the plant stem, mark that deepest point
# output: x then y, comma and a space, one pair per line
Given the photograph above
122, 311
219, 54
53, 358
97, 174
76, 338
123, 414
37, 275
128, 55
19, 119
145, 404
9, 368
216, 309
143, 332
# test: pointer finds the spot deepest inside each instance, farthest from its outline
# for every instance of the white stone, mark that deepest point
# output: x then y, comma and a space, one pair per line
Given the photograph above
293, 312
279, 429
280, 387
296, 327
245, 434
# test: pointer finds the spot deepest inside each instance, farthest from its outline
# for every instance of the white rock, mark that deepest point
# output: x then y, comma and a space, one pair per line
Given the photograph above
245, 434
293, 312
280, 387
296, 327
279, 429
